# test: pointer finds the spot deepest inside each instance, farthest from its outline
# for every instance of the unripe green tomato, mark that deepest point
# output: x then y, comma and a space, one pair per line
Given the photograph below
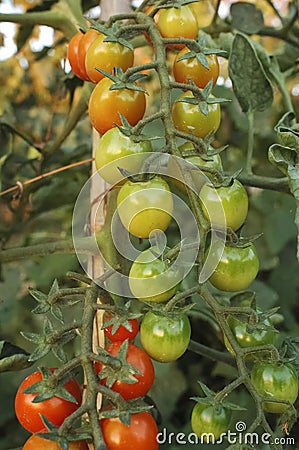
275, 380
165, 338
232, 201
117, 150
208, 422
236, 269
145, 206
151, 279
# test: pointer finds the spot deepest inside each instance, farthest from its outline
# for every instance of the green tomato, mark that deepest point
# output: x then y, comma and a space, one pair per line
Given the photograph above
236, 269
150, 278
117, 150
165, 338
209, 421
249, 339
275, 380
232, 201
145, 206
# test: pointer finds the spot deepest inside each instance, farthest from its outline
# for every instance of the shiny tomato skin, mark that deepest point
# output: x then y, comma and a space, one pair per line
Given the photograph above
232, 201
55, 409
278, 381
106, 56
204, 12
105, 106
138, 358
151, 279
122, 333
164, 338
177, 22
141, 434
37, 443
208, 423
188, 118
73, 56
85, 42
236, 269
117, 150
191, 68
145, 206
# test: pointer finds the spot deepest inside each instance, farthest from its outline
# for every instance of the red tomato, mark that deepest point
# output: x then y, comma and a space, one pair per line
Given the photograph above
85, 42
38, 443
139, 359
106, 56
105, 106
73, 56
141, 434
55, 409
122, 333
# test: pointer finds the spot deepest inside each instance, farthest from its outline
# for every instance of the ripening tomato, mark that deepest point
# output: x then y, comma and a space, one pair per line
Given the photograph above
210, 421
105, 56
55, 409
204, 12
139, 359
277, 381
115, 150
86, 41
105, 106
177, 22
188, 117
145, 206
165, 338
73, 56
152, 279
37, 443
122, 332
141, 434
192, 69
229, 202
236, 269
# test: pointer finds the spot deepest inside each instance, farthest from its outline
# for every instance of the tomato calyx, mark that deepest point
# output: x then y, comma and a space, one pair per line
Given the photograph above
124, 80
125, 374
216, 400
50, 387
124, 410
69, 435
120, 317
113, 33
199, 50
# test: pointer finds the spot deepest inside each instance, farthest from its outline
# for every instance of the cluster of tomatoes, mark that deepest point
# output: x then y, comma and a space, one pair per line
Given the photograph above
144, 206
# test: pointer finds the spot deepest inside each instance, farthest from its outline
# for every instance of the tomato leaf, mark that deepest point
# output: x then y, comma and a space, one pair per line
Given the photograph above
251, 86
12, 357
246, 17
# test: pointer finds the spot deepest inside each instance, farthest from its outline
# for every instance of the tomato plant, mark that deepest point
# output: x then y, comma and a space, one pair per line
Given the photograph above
123, 332
145, 206
177, 22
278, 381
188, 117
36, 442
237, 267
232, 201
138, 385
115, 150
152, 279
186, 69
165, 338
140, 434
209, 421
55, 409
106, 105
106, 56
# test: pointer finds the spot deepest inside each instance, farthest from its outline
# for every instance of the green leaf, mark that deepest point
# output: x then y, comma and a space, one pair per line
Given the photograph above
12, 357
246, 17
251, 86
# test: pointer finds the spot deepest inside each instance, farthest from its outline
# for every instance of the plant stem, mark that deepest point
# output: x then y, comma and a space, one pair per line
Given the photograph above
263, 182
211, 353
250, 117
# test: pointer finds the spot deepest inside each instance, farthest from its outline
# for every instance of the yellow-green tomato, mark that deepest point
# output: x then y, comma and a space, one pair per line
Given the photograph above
145, 206
117, 150
165, 338
209, 421
188, 117
151, 279
236, 269
229, 202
